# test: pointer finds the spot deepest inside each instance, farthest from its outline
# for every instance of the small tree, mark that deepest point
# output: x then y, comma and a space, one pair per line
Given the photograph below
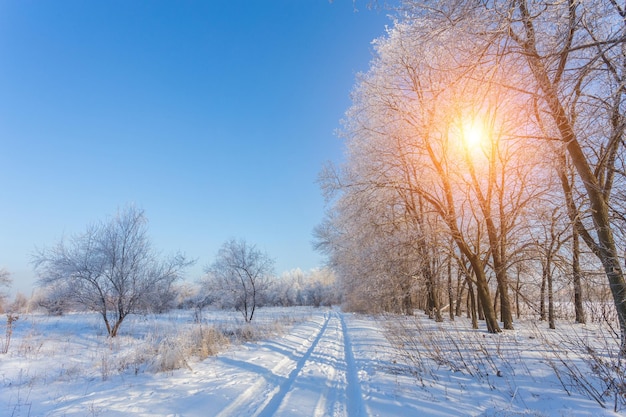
240, 273
111, 268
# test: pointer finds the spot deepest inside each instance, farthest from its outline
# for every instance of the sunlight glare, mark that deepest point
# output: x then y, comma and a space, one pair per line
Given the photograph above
473, 134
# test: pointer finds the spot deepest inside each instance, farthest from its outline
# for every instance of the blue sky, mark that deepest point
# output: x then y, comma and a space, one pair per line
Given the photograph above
213, 117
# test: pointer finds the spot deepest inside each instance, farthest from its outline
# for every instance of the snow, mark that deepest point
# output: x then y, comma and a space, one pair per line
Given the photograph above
323, 363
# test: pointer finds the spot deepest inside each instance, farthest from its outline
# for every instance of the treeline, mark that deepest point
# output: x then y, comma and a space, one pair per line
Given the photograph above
314, 288
295, 288
485, 170
112, 269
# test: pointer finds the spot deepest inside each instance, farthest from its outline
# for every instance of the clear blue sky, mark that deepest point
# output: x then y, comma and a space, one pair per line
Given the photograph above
214, 117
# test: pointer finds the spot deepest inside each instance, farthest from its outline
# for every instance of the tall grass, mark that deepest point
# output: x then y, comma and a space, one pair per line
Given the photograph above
11, 319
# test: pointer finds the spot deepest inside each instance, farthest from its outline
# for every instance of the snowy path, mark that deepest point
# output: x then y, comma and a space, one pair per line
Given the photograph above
319, 381
332, 366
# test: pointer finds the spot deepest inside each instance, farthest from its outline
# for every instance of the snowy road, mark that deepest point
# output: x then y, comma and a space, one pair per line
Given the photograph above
332, 365
315, 377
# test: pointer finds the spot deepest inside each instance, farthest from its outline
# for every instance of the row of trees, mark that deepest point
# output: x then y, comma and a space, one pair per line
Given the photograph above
484, 143
112, 269
242, 278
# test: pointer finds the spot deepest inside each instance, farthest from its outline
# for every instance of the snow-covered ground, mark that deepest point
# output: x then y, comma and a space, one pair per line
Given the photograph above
322, 363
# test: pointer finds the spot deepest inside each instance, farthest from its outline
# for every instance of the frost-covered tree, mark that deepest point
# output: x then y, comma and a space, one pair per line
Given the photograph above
55, 298
5, 284
569, 69
434, 147
240, 275
111, 268
320, 288
286, 289
316, 287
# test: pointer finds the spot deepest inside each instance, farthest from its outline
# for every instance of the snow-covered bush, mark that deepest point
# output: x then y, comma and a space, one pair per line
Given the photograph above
170, 355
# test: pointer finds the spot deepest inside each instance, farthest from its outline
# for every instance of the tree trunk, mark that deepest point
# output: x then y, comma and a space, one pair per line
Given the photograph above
518, 288
484, 298
434, 309
550, 299
460, 285
450, 290
576, 275
106, 322
542, 294
496, 297
479, 306
471, 305
506, 312
478, 268
116, 327
407, 304
253, 284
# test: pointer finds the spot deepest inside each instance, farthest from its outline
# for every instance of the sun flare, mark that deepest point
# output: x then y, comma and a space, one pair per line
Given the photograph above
473, 134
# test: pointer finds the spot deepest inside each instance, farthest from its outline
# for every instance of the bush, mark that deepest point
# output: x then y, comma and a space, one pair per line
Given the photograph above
207, 341
199, 342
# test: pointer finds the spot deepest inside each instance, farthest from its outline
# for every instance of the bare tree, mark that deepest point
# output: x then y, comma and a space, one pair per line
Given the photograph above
549, 243
111, 268
241, 273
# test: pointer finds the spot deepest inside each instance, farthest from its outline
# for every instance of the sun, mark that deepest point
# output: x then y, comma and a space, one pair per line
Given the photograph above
473, 134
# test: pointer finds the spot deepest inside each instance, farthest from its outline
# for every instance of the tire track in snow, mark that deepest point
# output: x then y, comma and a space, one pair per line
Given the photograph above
328, 403
275, 395
327, 398
328, 375
272, 406
355, 405
323, 381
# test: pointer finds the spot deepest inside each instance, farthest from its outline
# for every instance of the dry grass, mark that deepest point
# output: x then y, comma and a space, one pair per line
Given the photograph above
584, 359
202, 341
11, 319
590, 362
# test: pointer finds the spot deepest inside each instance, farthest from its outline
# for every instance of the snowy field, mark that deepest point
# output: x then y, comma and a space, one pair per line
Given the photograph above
294, 362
